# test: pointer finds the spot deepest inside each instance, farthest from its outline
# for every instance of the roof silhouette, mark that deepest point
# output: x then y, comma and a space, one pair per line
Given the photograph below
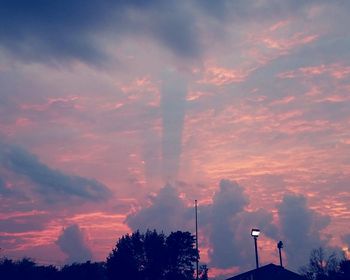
268, 272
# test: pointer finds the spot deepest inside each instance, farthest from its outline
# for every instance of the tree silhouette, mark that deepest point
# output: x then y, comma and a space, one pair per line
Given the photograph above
321, 266
86, 271
344, 269
203, 272
126, 260
138, 256
181, 256
26, 269
153, 256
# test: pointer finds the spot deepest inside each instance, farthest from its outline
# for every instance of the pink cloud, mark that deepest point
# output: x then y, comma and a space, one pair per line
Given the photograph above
220, 76
284, 100
285, 45
142, 88
336, 70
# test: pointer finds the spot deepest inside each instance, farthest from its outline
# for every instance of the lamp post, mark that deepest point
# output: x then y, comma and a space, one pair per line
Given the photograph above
280, 246
255, 233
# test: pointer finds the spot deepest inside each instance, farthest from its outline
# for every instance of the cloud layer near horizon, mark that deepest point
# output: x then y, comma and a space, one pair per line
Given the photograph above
111, 100
225, 225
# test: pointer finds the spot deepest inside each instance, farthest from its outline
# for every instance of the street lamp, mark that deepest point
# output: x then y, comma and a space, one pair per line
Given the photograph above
280, 246
255, 233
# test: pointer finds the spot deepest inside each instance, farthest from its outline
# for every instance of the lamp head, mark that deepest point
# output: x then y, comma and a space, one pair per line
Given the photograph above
280, 245
255, 232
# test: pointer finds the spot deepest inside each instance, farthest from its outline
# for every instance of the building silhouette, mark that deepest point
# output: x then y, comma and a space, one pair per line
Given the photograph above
268, 272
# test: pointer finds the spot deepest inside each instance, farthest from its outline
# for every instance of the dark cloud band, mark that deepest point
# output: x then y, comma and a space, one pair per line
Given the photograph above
50, 183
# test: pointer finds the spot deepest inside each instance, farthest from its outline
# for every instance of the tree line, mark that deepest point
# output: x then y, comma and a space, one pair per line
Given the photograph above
156, 256
138, 256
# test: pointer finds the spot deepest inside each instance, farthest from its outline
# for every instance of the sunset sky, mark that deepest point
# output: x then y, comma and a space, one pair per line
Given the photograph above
117, 115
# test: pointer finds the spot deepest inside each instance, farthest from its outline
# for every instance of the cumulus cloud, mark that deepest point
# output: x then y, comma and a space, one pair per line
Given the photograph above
230, 224
72, 242
346, 240
50, 183
225, 222
167, 212
300, 227
227, 203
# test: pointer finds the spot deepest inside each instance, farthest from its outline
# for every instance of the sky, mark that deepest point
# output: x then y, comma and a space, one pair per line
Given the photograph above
116, 115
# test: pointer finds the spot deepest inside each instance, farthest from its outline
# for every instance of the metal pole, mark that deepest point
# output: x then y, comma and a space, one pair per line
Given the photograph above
279, 249
256, 252
197, 260
280, 246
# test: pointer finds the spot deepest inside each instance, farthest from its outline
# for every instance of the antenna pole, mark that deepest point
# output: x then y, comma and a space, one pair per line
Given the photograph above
280, 246
197, 260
